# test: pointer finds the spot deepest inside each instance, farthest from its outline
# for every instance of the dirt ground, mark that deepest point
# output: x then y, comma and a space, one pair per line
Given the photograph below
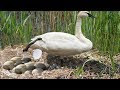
98, 67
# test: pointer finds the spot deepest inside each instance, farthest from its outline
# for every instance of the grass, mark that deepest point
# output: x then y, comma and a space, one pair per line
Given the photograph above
79, 70
14, 28
18, 27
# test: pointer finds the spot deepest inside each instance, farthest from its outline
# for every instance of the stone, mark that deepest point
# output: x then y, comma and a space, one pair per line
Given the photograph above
17, 63
37, 71
26, 60
28, 72
15, 59
40, 65
30, 65
20, 69
9, 65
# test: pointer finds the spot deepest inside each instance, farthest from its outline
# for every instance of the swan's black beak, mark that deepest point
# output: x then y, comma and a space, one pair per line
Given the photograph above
90, 15
31, 43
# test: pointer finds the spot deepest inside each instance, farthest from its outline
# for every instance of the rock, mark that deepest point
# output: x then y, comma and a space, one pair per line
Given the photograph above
40, 65
17, 63
13, 70
47, 66
9, 65
30, 65
16, 59
37, 71
26, 60
28, 72
19, 69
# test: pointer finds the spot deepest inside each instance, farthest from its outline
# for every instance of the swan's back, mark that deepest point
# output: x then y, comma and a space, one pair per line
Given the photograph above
55, 36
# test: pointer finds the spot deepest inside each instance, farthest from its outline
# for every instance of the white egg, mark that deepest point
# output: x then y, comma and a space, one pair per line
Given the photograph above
37, 53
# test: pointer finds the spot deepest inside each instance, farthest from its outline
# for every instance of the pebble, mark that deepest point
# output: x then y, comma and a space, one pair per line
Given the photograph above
40, 65
9, 65
19, 69
26, 60
28, 72
30, 65
17, 63
47, 65
16, 59
37, 71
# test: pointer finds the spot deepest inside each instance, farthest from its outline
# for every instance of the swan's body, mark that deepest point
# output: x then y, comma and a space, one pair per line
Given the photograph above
60, 43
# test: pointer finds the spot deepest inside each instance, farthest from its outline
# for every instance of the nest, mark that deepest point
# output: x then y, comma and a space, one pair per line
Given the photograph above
60, 67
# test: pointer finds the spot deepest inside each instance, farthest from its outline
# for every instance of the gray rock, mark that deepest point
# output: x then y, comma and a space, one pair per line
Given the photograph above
30, 65
9, 65
19, 69
40, 65
26, 60
17, 63
16, 59
28, 72
37, 71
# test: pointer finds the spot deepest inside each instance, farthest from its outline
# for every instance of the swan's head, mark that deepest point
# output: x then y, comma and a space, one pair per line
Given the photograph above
82, 14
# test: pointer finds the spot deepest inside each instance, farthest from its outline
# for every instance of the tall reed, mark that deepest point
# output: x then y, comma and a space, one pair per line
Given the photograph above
15, 28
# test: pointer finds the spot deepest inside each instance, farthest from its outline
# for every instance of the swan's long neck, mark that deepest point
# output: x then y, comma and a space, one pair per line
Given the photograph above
80, 36
78, 32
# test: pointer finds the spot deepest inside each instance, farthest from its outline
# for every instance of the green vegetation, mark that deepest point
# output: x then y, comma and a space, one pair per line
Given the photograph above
14, 28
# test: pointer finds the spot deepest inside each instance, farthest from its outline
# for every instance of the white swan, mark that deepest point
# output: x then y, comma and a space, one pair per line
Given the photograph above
63, 44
